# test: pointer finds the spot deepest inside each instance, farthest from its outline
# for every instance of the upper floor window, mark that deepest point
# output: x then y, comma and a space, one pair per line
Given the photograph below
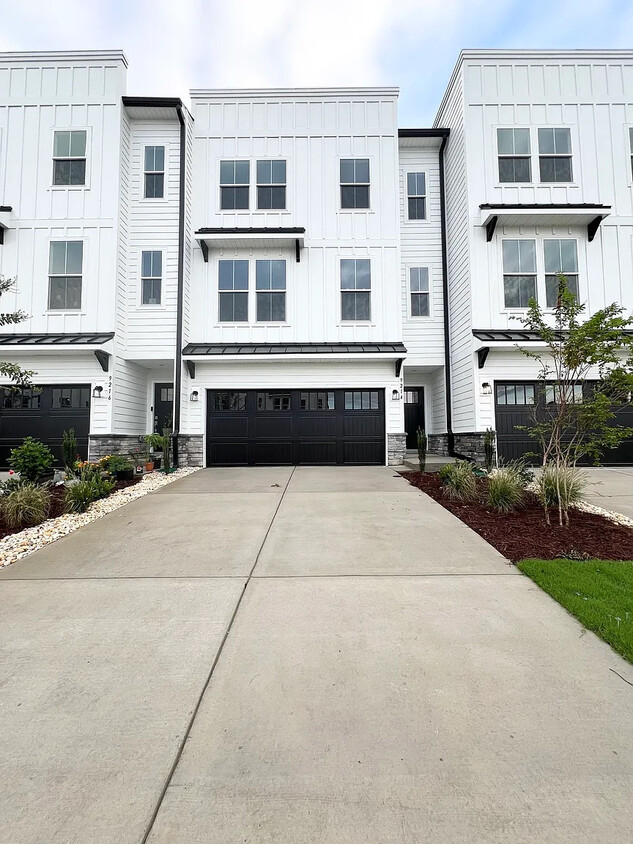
355, 289
554, 148
416, 196
354, 183
561, 256
69, 157
154, 172
233, 291
271, 184
513, 148
419, 291
631, 148
151, 277
234, 185
270, 284
519, 272
64, 275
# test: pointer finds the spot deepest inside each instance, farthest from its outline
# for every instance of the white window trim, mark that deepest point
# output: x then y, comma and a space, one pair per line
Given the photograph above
343, 322
164, 197
540, 270
628, 145
339, 184
257, 209
534, 156
408, 268
88, 131
573, 182
248, 210
405, 193
495, 146
272, 322
162, 305
214, 285
70, 311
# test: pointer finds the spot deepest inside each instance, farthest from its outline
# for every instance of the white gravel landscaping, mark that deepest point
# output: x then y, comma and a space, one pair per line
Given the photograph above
18, 545
600, 511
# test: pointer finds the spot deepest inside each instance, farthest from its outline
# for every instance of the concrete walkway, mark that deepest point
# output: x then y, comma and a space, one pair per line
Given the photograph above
611, 488
308, 655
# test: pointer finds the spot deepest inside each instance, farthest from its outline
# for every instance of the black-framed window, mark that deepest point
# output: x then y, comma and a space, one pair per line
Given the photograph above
151, 277
271, 184
515, 394
234, 185
354, 183
561, 257
317, 401
166, 394
73, 397
416, 196
233, 291
362, 400
631, 148
273, 401
65, 263
69, 157
570, 393
355, 289
519, 272
514, 151
21, 398
554, 149
419, 291
270, 284
229, 401
154, 172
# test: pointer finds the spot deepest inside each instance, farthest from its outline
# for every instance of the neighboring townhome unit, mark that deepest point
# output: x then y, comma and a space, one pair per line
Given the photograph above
539, 181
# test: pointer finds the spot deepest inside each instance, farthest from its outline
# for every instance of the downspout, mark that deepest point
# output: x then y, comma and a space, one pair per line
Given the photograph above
447, 346
181, 281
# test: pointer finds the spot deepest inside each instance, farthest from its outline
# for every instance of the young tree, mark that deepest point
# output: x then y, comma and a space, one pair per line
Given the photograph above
18, 376
573, 420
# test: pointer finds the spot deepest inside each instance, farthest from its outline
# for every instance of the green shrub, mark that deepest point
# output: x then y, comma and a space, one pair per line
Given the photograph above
560, 485
154, 441
505, 490
521, 470
69, 450
458, 480
80, 495
422, 442
489, 448
32, 459
26, 505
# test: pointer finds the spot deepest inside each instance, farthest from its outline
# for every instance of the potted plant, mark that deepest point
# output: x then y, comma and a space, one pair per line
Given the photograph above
155, 443
121, 468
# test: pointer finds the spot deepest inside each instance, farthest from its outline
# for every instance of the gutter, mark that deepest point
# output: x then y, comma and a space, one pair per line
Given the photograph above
181, 280
447, 345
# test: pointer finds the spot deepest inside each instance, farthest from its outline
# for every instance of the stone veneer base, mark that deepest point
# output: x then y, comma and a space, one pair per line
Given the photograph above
396, 449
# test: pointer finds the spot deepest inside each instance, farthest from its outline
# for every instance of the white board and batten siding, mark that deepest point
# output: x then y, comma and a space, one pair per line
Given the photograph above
312, 131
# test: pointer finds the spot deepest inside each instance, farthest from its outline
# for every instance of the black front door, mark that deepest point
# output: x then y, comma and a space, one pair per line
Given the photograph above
163, 407
413, 414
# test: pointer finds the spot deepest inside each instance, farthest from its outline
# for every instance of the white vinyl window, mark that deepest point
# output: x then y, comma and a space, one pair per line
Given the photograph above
519, 272
354, 183
154, 174
554, 149
416, 196
65, 262
419, 291
271, 184
631, 148
234, 185
233, 291
513, 149
355, 289
69, 157
270, 284
560, 257
151, 277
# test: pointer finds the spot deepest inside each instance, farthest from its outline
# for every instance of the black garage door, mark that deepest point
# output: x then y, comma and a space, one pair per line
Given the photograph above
292, 427
514, 403
44, 413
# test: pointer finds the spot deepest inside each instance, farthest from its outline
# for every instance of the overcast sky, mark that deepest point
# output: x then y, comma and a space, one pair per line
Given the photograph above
175, 45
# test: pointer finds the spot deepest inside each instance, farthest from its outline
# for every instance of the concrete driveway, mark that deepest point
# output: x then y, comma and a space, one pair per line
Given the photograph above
611, 488
308, 655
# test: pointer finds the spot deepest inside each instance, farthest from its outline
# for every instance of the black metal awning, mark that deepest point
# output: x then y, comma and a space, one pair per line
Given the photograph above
511, 335
249, 237
55, 339
216, 349
543, 213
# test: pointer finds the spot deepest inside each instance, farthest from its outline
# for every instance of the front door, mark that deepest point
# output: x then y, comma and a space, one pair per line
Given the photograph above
413, 414
163, 407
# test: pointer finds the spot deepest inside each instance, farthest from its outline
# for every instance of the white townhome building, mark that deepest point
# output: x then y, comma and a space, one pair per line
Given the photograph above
285, 276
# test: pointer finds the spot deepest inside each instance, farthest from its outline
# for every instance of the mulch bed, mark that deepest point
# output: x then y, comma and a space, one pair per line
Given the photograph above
57, 505
524, 534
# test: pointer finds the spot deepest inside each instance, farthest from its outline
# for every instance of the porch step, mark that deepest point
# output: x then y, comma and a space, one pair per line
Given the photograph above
434, 462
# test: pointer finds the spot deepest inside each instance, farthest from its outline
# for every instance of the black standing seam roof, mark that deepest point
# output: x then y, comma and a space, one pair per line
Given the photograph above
214, 349
6, 208
55, 339
510, 335
542, 206
261, 230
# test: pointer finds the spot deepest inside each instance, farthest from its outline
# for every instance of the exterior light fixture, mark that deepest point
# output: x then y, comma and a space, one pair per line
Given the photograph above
97, 393
395, 395
194, 396
486, 389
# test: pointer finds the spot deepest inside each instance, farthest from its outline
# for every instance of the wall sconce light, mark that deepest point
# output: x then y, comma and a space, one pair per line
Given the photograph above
97, 393
194, 396
395, 395
486, 389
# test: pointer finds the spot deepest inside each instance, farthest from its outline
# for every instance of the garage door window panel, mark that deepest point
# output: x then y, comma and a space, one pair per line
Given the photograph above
361, 400
273, 401
23, 398
317, 401
229, 402
233, 291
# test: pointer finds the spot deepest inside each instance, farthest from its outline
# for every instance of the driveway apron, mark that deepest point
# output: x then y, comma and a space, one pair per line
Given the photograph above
301, 655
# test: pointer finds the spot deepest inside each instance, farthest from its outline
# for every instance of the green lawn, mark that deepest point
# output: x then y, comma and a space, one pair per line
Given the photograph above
598, 592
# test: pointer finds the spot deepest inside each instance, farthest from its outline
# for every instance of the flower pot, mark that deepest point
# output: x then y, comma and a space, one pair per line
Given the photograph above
149, 466
125, 474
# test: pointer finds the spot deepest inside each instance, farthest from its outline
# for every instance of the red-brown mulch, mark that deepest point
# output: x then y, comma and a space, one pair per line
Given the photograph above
523, 534
57, 507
